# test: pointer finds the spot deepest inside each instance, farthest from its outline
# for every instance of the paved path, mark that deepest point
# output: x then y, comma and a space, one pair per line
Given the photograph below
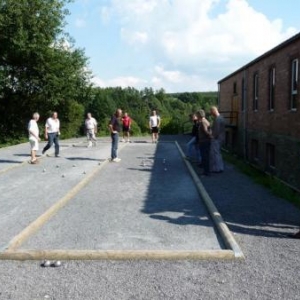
258, 220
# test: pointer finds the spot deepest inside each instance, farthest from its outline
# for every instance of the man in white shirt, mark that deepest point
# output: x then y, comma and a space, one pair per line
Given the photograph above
91, 129
52, 133
154, 124
34, 139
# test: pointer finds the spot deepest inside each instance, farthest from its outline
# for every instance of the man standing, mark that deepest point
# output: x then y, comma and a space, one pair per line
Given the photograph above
154, 124
126, 120
91, 129
34, 139
115, 127
204, 140
218, 138
52, 133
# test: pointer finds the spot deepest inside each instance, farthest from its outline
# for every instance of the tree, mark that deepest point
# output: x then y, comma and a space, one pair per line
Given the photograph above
39, 67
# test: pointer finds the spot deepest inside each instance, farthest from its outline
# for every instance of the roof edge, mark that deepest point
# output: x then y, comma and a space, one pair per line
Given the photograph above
268, 53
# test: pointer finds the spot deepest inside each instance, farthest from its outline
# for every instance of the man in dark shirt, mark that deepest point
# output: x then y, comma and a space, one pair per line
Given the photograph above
115, 128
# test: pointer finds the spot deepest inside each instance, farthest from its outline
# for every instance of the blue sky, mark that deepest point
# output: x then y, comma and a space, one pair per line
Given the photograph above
177, 45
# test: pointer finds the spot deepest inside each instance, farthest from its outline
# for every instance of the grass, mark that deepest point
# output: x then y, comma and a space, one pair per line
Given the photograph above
276, 186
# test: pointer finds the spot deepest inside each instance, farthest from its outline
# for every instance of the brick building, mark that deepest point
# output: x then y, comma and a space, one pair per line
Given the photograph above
261, 102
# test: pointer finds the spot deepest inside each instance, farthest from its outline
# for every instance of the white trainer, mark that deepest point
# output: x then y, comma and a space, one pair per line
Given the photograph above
117, 159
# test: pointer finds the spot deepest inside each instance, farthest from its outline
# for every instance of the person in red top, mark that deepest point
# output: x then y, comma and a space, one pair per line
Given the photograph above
126, 120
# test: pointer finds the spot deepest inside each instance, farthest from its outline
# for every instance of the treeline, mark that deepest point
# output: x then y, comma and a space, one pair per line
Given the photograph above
41, 70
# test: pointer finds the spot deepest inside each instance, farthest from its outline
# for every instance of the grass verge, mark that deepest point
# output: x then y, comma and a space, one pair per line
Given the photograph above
276, 186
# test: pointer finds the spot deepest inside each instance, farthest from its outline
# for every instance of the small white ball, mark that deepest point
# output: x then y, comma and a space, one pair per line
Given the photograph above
47, 263
57, 263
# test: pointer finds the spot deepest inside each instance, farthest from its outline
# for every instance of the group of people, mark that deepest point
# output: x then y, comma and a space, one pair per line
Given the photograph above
207, 140
115, 128
117, 123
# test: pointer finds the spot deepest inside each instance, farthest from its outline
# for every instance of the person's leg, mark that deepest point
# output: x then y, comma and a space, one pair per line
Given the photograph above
50, 142
56, 144
114, 145
93, 138
190, 144
198, 152
205, 150
153, 135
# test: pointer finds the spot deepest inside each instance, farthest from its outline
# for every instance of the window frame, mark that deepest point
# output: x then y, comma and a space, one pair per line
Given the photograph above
294, 83
255, 92
272, 84
270, 156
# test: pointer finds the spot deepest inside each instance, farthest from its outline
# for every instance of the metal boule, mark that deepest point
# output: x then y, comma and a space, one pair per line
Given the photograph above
57, 263
46, 263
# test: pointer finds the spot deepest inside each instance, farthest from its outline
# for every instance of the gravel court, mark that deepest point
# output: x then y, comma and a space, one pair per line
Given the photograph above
28, 191
259, 221
146, 202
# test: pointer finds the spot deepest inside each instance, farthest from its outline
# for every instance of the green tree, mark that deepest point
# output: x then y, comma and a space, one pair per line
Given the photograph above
39, 67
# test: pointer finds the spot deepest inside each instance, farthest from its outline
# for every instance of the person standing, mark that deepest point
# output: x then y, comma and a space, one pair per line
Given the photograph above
193, 142
126, 121
154, 124
115, 127
218, 138
52, 133
34, 138
204, 140
91, 129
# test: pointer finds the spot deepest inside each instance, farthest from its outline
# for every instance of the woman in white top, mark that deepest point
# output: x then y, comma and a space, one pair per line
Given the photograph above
34, 139
52, 133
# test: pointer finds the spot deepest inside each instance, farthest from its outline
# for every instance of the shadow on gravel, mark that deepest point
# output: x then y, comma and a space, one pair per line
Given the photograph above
247, 208
22, 155
84, 159
172, 196
3, 161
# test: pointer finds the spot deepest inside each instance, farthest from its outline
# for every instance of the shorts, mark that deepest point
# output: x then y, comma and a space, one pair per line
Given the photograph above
91, 134
34, 144
126, 128
154, 129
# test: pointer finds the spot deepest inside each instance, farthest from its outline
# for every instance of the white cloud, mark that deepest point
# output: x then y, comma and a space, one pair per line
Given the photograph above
194, 40
121, 81
134, 38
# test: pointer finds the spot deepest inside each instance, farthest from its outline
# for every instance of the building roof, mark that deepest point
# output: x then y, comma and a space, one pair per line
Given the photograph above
268, 53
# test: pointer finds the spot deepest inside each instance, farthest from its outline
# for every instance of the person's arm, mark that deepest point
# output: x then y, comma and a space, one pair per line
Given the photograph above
46, 130
58, 128
95, 123
111, 126
206, 127
158, 122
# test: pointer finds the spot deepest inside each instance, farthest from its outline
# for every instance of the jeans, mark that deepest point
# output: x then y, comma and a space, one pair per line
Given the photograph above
52, 138
205, 150
114, 145
193, 145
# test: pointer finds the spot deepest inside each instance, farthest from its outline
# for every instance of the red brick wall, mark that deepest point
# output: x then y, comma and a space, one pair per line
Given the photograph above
281, 126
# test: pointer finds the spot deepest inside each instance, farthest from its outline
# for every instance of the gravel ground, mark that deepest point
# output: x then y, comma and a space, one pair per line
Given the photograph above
260, 222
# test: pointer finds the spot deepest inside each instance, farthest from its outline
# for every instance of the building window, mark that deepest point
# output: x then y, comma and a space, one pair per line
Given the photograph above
255, 92
234, 88
243, 94
272, 78
270, 156
254, 150
294, 85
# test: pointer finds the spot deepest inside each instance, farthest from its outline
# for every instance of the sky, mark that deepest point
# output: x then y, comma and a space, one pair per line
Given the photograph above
176, 45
